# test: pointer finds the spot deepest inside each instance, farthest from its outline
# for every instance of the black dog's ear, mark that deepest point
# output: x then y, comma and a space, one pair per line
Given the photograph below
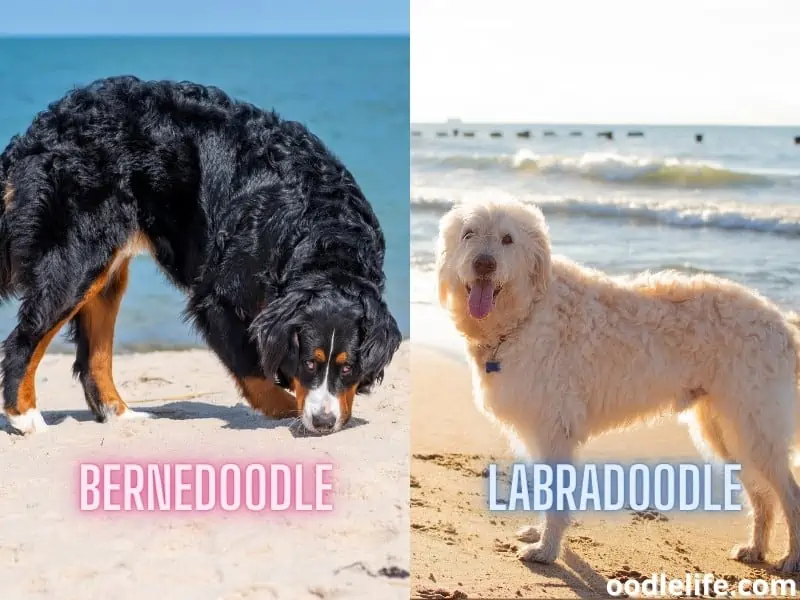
275, 332
381, 340
288, 367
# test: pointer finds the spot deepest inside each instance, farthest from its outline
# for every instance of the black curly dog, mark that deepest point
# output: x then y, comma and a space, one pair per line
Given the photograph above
267, 233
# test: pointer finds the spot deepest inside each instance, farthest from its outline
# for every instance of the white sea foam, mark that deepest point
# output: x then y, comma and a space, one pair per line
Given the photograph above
772, 219
612, 167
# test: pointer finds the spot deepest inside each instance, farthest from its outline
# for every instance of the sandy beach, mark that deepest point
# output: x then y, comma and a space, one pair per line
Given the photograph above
460, 550
50, 550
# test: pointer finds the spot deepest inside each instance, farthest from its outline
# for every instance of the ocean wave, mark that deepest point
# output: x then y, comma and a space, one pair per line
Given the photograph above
777, 220
609, 167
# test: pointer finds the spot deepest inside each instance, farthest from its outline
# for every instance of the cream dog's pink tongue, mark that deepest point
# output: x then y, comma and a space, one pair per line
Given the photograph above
481, 299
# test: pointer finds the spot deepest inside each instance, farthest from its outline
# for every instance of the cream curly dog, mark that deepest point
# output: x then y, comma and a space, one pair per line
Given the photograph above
560, 353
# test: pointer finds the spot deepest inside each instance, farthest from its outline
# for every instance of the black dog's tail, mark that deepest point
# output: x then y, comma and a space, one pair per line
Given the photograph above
7, 286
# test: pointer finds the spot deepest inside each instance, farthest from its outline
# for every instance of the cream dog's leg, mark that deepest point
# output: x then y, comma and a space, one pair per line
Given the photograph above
546, 544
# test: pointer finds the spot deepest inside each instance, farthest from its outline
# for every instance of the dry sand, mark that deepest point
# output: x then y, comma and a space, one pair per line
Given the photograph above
50, 550
460, 550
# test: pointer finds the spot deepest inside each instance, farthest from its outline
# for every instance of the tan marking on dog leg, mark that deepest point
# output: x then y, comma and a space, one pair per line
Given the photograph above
26, 393
272, 400
98, 318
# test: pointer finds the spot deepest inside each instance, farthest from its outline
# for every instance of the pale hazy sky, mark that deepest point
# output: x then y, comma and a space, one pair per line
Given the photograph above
606, 61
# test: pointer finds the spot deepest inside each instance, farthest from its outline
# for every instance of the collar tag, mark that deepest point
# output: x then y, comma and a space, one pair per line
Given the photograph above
492, 366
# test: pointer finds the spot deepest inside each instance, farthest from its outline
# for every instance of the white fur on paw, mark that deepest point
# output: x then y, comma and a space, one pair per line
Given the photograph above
747, 554
134, 414
537, 553
528, 534
29, 422
789, 564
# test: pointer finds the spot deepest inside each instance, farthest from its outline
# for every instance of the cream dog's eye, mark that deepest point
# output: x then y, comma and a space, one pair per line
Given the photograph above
467, 234
507, 239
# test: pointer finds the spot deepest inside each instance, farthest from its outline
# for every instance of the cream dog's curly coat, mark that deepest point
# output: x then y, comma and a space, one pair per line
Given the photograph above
583, 353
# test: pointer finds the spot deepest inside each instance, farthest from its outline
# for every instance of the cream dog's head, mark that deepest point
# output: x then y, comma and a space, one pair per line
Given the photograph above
492, 262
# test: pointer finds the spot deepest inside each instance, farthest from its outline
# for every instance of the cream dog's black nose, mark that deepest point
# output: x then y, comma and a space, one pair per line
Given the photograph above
484, 265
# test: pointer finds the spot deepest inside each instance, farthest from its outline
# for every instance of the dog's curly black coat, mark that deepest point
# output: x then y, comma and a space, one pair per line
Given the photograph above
249, 214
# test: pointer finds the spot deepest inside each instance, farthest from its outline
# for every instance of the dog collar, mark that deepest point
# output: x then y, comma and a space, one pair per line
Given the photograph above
493, 365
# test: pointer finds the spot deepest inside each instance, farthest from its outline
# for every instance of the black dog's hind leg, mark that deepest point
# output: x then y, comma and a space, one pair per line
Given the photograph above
93, 331
55, 295
227, 335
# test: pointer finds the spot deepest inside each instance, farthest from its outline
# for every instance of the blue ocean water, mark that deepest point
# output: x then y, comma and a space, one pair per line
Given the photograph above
729, 205
352, 92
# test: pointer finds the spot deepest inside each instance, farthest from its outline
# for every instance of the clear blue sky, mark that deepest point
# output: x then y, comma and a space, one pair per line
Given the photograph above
130, 17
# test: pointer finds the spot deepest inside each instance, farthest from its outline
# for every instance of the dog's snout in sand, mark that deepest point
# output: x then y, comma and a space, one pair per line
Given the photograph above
323, 422
323, 412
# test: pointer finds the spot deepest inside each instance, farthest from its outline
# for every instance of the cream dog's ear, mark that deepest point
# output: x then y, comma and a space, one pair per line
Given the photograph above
540, 272
442, 291
449, 235
538, 251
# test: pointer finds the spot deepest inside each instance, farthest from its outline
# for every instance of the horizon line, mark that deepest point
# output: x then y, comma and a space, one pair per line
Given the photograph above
591, 124
75, 35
